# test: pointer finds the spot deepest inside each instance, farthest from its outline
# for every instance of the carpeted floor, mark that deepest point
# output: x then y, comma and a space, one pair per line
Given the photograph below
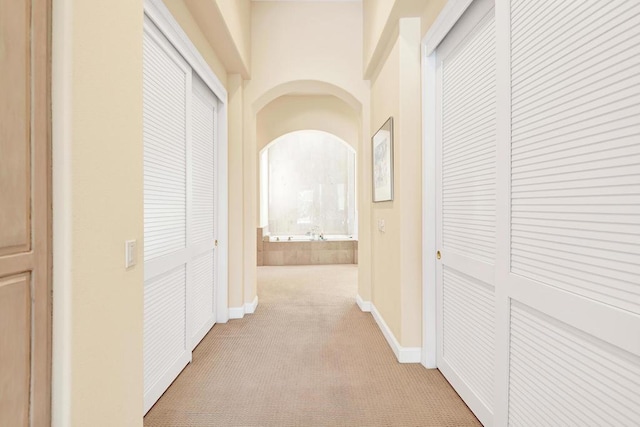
307, 357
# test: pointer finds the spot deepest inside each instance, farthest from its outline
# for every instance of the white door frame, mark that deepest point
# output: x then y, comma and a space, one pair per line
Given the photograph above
450, 14
158, 13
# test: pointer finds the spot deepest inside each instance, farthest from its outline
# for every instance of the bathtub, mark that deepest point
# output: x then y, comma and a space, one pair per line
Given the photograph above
304, 250
329, 238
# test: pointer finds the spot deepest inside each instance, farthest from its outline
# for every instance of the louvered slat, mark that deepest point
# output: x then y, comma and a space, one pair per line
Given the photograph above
559, 373
164, 324
468, 323
576, 148
202, 285
468, 132
203, 119
164, 127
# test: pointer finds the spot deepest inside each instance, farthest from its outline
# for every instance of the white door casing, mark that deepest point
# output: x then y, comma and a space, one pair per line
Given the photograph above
566, 276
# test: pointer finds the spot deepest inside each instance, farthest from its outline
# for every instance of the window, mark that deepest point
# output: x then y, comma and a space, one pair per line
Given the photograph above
310, 185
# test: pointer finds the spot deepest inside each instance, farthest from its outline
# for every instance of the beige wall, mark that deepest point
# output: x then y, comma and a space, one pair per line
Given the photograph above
319, 41
429, 14
300, 112
381, 25
396, 252
385, 252
237, 16
97, 143
392, 33
98, 204
226, 26
376, 13
236, 181
183, 15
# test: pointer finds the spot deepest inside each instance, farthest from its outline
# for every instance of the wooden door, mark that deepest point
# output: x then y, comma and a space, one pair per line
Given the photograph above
25, 299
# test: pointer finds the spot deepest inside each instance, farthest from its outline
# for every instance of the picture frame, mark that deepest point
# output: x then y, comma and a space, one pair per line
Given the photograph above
382, 158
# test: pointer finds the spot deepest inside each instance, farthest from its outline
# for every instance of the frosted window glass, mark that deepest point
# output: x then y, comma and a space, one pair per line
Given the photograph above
310, 187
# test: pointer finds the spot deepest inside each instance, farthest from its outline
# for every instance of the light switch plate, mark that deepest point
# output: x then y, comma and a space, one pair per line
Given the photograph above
130, 249
381, 225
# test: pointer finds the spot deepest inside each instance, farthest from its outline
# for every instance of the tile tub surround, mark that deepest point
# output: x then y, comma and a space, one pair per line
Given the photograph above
308, 253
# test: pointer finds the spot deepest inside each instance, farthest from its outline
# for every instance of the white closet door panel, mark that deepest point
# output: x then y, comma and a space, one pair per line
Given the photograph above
203, 121
468, 146
562, 376
164, 126
576, 148
202, 285
164, 325
468, 322
166, 87
466, 208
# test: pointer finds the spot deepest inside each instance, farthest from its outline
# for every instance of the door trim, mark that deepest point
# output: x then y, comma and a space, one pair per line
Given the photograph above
42, 215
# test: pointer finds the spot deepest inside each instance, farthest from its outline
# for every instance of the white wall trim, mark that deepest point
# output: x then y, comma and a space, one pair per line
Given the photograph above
222, 209
236, 312
62, 221
247, 308
429, 306
447, 18
403, 354
250, 307
364, 305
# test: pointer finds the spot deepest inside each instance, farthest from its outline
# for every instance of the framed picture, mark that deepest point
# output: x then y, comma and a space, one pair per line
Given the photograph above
382, 153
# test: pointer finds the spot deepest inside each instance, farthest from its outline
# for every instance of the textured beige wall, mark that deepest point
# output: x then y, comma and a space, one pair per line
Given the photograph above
237, 16
429, 14
236, 181
397, 252
184, 17
409, 153
376, 13
299, 112
98, 204
385, 247
294, 41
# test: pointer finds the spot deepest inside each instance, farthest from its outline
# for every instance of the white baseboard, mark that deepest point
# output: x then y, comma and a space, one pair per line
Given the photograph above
250, 308
239, 312
364, 305
403, 354
236, 312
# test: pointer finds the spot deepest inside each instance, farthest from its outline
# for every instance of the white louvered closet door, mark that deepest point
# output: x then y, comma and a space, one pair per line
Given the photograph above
538, 210
466, 207
203, 193
570, 223
166, 83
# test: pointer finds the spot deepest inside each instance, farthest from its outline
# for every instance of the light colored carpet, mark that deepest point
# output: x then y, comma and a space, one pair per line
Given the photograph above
307, 357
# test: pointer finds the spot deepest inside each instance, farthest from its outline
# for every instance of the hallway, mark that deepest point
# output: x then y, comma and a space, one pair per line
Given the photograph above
308, 356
